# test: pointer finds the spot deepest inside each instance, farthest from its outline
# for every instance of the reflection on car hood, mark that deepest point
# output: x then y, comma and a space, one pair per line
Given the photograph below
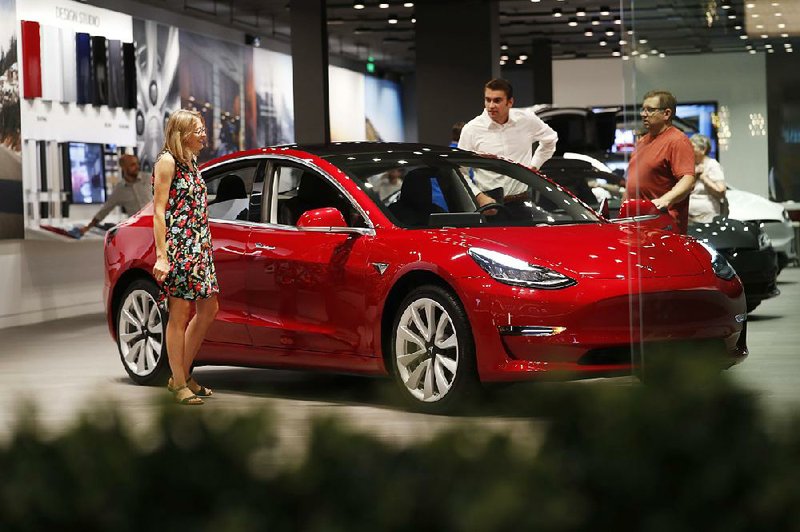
748, 206
725, 233
602, 251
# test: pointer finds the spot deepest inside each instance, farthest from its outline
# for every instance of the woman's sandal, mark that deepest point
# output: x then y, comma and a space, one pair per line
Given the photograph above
188, 400
201, 391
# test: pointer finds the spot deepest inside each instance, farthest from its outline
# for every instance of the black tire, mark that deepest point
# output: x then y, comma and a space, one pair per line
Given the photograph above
146, 364
455, 367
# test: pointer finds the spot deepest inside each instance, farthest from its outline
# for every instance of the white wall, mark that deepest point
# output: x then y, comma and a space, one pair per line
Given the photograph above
735, 81
41, 280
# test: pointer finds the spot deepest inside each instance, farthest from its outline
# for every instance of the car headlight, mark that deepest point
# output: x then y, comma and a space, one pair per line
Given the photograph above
719, 264
516, 272
763, 239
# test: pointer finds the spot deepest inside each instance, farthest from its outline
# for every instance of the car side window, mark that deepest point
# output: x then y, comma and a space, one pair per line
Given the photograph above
229, 190
300, 190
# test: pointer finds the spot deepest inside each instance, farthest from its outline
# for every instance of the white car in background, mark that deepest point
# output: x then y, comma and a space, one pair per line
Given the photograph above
749, 207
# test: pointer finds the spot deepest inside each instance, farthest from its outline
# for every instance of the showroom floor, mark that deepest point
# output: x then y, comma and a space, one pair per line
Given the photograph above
68, 365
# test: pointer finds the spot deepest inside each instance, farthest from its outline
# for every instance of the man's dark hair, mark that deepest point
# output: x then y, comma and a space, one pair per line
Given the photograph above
456, 133
499, 84
665, 100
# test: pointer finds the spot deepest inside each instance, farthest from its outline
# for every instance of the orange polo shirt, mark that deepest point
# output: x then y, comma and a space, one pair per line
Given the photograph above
657, 164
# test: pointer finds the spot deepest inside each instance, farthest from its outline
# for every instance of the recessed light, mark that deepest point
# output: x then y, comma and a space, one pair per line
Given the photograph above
572, 22
519, 61
383, 5
502, 63
408, 4
557, 12
755, 15
413, 21
616, 53
725, 5
750, 5
779, 14
623, 42
358, 5
504, 46
609, 32
785, 35
737, 27
392, 20
781, 25
642, 41
617, 20
662, 54
752, 51
764, 36
504, 57
595, 21
603, 43
580, 12
605, 11
523, 57
743, 37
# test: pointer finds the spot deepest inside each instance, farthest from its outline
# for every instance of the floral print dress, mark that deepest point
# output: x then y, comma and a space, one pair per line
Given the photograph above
191, 268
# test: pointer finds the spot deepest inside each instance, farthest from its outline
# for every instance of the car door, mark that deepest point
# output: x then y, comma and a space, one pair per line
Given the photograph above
307, 287
234, 194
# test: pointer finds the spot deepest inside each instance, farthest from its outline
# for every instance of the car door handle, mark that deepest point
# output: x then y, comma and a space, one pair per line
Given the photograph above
259, 245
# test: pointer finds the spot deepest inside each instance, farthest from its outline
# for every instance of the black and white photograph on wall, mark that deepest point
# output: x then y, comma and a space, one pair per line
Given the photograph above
270, 101
212, 79
11, 215
158, 93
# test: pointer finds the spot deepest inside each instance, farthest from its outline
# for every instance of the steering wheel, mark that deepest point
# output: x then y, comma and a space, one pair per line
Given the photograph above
493, 205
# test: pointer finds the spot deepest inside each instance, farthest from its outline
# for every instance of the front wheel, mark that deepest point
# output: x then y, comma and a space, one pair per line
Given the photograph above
432, 351
141, 327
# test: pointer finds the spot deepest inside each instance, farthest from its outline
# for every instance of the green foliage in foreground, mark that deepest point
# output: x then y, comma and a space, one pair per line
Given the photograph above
688, 451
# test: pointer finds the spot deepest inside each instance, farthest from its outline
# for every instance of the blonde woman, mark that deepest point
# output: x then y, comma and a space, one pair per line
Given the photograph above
705, 201
184, 265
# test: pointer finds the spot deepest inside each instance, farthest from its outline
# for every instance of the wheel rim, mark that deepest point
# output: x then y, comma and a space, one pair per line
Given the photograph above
426, 350
140, 332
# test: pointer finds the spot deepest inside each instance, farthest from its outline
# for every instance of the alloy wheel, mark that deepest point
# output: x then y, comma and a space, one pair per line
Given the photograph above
427, 350
140, 331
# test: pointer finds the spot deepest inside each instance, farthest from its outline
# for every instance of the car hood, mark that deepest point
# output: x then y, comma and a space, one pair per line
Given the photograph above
747, 206
601, 251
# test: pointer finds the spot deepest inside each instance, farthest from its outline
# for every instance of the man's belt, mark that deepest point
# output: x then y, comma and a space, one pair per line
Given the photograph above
513, 198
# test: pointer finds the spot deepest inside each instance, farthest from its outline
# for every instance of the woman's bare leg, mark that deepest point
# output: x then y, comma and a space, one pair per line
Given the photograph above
179, 310
206, 310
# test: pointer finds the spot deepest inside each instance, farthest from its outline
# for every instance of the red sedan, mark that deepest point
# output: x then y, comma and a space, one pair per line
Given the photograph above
376, 259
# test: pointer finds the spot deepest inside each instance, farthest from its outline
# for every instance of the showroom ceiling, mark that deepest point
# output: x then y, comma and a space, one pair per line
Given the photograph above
576, 28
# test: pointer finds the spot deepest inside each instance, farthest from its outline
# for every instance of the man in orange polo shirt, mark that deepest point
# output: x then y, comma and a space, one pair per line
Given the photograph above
661, 168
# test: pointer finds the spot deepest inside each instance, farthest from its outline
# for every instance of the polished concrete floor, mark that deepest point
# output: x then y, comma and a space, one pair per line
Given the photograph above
67, 366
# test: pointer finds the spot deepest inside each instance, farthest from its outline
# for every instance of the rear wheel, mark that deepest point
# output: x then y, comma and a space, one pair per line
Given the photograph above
432, 351
141, 332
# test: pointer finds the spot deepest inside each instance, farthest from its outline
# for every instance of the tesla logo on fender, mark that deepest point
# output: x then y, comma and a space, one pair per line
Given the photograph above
380, 267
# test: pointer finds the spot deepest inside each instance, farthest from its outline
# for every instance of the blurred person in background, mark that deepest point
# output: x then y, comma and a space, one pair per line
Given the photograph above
708, 194
132, 193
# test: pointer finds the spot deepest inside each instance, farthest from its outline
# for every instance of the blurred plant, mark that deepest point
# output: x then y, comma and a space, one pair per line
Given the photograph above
687, 451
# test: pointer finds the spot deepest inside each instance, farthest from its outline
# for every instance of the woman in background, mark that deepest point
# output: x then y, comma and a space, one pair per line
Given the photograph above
706, 199
184, 265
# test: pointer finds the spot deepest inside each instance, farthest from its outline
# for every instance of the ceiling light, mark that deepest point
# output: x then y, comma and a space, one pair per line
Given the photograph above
785, 35
617, 20
768, 46
743, 37
502, 63
755, 15
725, 5
408, 4
413, 21
752, 51
605, 11
654, 51
789, 50
588, 32
603, 42
779, 14
635, 52
504, 57
770, 51
392, 19
642, 41
775, 4
523, 57
732, 14
609, 32
519, 61
629, 32
383, 5
764, 36
557, 12
535, 1
750, 5
623, 42
737, 27
358, 5
781, 25
759, 26
580, 12
625, 58
572, 22
595, 21
643, 56
615, 52
504, 46
787, 45
662, 54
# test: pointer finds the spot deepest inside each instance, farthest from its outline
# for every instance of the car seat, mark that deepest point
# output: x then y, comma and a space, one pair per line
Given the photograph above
415, 204
230, 187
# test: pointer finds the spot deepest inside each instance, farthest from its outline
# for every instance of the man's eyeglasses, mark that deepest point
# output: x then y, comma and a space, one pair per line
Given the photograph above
650, 110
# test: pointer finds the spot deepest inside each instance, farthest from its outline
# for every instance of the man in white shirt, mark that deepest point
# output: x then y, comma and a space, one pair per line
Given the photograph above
510, 134
132, 193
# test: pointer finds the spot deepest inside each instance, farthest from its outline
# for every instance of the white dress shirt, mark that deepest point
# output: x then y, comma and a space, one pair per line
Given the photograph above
512, 140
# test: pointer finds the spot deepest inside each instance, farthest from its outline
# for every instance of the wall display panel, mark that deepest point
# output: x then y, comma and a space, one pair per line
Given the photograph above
347, 113
270, 100
83, 59
156, 78
69, 61
99, 57
31, 60
383, 110
52, 68
11, 206
128, 75
116, 82
84, 172
212, 78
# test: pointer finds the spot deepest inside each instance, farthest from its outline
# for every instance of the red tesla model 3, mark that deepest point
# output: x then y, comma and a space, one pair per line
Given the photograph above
376, 259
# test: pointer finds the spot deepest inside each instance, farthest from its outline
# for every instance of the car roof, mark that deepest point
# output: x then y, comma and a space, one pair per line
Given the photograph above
356, 148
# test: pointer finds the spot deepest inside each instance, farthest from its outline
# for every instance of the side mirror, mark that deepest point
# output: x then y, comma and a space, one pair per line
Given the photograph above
644, 213
602, 210
325, 217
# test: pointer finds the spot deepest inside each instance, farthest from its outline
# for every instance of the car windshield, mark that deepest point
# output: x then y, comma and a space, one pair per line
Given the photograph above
435, 188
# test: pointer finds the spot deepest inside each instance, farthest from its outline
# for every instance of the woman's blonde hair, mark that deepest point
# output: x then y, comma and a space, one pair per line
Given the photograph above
179, 126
